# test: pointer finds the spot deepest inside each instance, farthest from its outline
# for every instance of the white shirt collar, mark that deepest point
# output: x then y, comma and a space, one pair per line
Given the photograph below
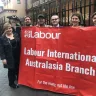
57, 25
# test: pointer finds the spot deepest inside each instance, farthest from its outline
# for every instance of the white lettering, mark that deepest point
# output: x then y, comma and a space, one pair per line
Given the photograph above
42, 35
86, 71
44, 65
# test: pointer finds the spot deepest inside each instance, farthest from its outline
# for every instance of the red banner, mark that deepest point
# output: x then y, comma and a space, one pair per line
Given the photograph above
61, 60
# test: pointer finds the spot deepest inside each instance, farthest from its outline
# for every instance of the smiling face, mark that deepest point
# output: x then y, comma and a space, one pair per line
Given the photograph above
75, 20
27, 21
41, 21
7, 28
55, 20
94, 19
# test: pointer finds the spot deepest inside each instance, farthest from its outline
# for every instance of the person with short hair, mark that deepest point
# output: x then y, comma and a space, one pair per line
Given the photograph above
10, 53
16, 24
41, 21
14, 19
55, 21
76, 20
27, 21
94, 18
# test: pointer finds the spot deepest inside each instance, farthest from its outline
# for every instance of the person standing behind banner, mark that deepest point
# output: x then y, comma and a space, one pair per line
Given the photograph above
55, 21
94, 18
15, 22
10, 53
76, 20
27, 21
41, 21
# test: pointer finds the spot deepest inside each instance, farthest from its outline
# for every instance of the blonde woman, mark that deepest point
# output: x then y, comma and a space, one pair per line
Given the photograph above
10, 53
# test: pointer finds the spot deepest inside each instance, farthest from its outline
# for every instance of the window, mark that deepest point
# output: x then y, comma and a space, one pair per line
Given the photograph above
18, 1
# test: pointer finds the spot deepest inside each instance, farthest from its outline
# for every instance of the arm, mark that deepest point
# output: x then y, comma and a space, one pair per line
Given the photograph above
2, 54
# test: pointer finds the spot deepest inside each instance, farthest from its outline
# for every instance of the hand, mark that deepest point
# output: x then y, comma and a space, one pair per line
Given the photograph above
4, 61
4, 33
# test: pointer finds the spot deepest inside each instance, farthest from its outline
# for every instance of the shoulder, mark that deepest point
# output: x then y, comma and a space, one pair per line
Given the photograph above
61, 26
77, 26
2, 38
48, 26
15, 35
30, 25
81, 26
18, 28
37, 25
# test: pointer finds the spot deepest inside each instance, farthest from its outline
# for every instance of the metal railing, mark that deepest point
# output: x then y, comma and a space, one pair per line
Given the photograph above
65, 8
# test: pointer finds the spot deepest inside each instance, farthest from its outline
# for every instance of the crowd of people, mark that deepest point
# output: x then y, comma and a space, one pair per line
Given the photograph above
10, 40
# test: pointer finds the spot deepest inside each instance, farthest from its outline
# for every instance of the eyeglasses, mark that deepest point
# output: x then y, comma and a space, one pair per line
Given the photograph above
55, 19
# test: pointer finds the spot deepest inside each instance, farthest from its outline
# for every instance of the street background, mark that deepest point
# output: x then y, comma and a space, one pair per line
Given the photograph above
5, 90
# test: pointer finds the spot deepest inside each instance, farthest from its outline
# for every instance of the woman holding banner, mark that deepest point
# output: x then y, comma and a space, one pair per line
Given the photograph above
76, 20
10, 53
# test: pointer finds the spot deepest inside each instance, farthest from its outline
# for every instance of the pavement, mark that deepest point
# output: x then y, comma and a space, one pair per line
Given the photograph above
5, 90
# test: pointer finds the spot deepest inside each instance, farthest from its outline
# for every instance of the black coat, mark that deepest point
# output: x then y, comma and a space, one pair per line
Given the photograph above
17, 30
6, 51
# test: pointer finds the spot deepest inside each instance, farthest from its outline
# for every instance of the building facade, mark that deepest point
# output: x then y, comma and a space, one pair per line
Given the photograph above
64, 8
12, 7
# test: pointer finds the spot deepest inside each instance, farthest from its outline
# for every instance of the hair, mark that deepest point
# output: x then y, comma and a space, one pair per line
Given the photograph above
26, 17
79, 16
54, 14
93, 14
6, 25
